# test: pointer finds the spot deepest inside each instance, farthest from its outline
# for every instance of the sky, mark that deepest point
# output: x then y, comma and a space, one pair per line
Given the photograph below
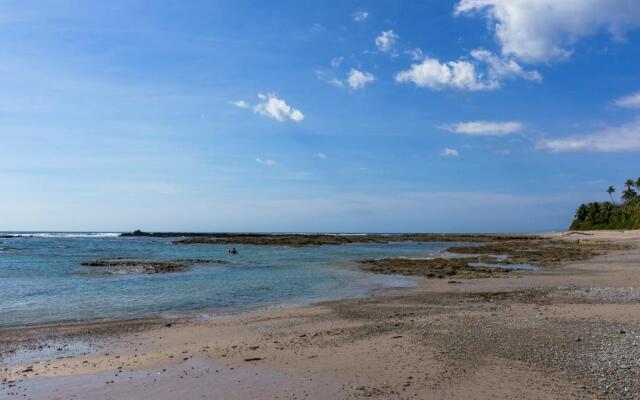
331, 116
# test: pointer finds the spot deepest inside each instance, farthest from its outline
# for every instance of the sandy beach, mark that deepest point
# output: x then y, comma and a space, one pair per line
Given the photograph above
569, 330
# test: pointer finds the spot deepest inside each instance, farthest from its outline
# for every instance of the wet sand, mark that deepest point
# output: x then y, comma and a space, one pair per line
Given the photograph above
570, 330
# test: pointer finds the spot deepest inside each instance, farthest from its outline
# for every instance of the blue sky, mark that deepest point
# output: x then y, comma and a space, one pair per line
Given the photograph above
466, 115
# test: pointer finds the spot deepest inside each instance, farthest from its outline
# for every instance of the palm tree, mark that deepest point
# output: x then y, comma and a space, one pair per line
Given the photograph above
581, 212
629, 183
629, 194
611, 191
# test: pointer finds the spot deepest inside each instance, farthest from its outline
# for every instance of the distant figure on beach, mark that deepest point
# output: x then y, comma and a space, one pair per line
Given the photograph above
233, 251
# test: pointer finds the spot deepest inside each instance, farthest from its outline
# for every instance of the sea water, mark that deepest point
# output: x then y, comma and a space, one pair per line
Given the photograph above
42, 279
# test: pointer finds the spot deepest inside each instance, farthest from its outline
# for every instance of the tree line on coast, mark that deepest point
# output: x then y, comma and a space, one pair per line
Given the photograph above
622, 214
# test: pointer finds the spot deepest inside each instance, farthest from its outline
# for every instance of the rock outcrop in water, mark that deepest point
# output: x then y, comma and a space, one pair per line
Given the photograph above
318, 239
435, 268
497, 258
129, 265
139, 233
298, 240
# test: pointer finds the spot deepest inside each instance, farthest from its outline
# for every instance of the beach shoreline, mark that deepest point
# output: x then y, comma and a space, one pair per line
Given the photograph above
555, 330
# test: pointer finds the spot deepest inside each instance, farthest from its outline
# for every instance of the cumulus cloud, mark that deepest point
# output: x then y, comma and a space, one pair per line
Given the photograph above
621, 138
239, 103
360, 15
277, 109
386, 40
336, 61
630, 101
266, 161
542, 31
355, 79
447, 152
485, 128
321, 156
485, 71
359, 79
433, 74
500, 68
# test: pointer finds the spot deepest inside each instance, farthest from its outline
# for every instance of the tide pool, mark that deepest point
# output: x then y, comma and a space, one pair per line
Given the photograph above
42, 279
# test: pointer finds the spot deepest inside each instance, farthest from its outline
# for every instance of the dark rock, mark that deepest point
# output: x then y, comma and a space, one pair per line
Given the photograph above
148, 266
137, 232
439, 268
298, 240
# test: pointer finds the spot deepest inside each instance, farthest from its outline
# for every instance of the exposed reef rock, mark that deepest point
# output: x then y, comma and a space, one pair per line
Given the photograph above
147, 266
499, 257
140, 233
436, 268
539, 251
333, 239
318, 239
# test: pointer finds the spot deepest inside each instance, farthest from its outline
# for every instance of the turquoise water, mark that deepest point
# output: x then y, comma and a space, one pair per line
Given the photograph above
42, 281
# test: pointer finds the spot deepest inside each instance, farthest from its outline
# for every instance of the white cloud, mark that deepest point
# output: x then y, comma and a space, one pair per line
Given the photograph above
239, 103
355, 79
360, 15
416, 54
278, 109
545, 30
336, 61
328, 77
386, 40
630, 101
485, 71
266, 161
435, 75
321, 156
485, 128
336, 82
447, 152
501, 68
622, 138
359, 79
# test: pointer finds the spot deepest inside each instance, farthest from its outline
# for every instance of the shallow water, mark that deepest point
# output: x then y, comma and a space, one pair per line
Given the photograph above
42, 281
522, 266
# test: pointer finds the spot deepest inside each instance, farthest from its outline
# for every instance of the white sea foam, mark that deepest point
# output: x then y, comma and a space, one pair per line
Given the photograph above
62, 234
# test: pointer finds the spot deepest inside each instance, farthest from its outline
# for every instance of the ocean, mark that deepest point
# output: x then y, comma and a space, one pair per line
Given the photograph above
42, 280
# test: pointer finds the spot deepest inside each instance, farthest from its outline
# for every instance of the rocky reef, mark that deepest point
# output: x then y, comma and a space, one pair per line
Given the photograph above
460, 267
497, 257
128, 265
539, 251
299, 240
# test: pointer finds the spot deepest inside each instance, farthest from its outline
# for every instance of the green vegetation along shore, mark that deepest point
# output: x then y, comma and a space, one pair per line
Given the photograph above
611, 214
